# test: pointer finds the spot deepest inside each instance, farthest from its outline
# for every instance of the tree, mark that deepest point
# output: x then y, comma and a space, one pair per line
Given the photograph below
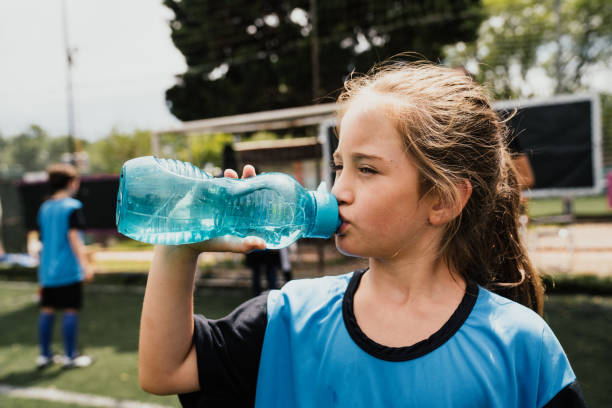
3, 154
32, 150
207, 148
27, 151
107, 155
527, 41
256, 55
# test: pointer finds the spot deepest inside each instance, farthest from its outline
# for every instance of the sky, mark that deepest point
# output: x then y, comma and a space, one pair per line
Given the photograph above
124, 60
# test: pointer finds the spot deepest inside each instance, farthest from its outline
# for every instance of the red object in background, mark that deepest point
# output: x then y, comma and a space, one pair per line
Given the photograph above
610, 188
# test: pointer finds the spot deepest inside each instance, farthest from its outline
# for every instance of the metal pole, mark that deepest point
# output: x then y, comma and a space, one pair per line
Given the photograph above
558, 74
314, 50
69, 101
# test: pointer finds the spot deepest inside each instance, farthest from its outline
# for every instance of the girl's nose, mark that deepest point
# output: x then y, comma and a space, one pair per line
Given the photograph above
341, 190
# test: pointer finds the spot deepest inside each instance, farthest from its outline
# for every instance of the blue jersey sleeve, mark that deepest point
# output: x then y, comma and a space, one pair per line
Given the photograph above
557, 384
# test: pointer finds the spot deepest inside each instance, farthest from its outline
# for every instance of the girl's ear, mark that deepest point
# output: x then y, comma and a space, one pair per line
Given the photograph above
442, 212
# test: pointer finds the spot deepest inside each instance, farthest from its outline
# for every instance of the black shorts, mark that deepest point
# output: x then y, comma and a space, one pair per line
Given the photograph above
63, 297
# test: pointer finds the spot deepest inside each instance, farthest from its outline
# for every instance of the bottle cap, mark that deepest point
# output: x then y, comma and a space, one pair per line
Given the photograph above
327, 220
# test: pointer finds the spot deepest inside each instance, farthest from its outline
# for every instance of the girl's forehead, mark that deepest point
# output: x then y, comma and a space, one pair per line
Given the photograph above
368, 125
370, 108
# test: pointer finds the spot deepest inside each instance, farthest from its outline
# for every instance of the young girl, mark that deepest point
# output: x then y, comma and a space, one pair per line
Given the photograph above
427, 193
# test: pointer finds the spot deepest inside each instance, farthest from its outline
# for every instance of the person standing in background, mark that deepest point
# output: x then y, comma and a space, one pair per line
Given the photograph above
63, 266
285, 264
267, 261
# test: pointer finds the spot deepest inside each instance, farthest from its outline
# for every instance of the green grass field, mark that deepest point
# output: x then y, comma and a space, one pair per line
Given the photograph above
109, 331
583, 206
7, 402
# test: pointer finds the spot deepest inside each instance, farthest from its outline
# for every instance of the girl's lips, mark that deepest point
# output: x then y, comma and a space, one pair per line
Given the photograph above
343, 227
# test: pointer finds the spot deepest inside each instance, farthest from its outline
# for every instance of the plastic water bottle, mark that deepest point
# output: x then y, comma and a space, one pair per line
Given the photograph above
164, 201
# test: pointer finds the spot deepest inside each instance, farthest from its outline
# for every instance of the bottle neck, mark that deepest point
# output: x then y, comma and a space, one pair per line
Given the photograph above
310, 211
324, 219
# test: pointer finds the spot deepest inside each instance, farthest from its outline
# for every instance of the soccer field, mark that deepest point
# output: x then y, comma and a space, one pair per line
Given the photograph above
109, 331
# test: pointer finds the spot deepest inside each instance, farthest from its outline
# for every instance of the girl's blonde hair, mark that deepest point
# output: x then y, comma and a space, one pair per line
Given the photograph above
452, 134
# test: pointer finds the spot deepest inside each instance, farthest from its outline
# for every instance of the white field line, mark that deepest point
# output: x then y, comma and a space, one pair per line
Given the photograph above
69, 397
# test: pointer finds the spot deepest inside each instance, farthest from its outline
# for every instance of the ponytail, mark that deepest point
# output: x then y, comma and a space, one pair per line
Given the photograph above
513, 273
485, 244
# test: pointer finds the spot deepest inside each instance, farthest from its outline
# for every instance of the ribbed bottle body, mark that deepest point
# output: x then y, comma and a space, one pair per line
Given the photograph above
163, 201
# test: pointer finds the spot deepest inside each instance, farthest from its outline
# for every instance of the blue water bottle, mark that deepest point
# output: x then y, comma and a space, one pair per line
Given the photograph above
164, 201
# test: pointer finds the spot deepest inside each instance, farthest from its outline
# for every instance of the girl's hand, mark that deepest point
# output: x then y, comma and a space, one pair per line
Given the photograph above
230, 244
89, 273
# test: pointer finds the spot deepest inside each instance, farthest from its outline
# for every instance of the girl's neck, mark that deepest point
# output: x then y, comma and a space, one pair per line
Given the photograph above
407, 280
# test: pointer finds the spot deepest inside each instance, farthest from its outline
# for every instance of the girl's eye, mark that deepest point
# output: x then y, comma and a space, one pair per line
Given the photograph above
367, 170
335, 167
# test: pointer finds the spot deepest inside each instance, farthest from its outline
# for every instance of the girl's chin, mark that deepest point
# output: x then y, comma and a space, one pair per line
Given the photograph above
346, 249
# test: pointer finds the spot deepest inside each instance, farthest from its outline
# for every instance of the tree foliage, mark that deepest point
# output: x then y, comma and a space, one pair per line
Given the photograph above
255, 55
207, 148
34, 150
526, 41
107, 155
31, 150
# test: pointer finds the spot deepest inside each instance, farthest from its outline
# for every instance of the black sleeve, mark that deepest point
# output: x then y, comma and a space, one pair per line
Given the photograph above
228, 352
569, 397
77, 219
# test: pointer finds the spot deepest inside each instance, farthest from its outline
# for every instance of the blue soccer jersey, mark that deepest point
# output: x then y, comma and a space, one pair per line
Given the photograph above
301, 346
58, 263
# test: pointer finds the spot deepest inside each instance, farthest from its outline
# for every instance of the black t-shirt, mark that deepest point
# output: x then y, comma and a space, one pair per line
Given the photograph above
77, 219
228, 353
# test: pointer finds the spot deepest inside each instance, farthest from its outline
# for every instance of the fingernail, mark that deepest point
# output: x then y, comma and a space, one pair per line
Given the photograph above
256, 241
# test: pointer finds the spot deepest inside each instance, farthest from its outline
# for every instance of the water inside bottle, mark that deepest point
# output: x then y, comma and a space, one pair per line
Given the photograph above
178, 210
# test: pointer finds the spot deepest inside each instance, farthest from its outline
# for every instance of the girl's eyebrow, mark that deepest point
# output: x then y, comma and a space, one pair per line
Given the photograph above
359, 156
363, 156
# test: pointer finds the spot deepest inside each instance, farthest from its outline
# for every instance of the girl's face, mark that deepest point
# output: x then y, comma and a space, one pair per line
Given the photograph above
377, 187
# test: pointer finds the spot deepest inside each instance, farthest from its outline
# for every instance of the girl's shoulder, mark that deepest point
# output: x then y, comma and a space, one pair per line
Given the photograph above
311, 293
72, 203
500, 324
66, 202
507, 317
329, 282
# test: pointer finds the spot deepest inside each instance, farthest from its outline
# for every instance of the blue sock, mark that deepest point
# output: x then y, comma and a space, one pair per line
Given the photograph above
70, 325
45, 332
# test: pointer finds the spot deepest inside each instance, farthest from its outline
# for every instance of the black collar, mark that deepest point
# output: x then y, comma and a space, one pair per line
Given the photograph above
410, 352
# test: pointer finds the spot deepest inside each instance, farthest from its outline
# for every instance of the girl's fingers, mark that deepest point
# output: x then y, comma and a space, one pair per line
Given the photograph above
231, 244
248, 171
253, 243
230, 173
